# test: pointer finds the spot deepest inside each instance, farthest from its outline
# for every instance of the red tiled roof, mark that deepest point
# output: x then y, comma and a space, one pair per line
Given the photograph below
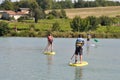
15, 13
10, 12
21, 13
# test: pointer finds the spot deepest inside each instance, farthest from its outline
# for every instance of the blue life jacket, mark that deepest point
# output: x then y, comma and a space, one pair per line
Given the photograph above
79, 42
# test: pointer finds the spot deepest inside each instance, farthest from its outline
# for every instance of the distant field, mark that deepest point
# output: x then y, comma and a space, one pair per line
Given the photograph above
96, 11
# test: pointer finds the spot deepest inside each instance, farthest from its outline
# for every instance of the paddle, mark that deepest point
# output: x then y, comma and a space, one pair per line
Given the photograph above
42, 51
95, 40
71, 58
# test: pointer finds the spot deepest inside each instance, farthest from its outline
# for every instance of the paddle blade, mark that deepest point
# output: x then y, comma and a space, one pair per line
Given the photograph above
95, 40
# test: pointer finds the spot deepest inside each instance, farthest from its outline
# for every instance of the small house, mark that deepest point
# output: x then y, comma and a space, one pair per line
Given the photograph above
12, 14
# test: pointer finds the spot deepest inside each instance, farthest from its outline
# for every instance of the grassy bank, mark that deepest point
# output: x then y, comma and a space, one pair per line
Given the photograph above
62, 34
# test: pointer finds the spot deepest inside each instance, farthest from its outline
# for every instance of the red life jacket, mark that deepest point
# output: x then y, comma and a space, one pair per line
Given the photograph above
50, 38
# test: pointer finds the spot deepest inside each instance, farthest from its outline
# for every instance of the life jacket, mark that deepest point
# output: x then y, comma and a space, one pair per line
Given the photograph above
79, 42
50, 38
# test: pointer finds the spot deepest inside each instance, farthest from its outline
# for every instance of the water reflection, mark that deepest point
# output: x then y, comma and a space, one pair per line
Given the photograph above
88, 47
50, 59
49, 70
49, 62
78, 73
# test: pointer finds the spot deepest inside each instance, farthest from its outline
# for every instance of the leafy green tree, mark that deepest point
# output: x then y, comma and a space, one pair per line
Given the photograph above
23, 4
93, 22
84, 25
55, 13
4, 29
79, 24
99, 2
7, 5
69, 4
34, 5
56, 26
66, 4
16, 6
35, 9
45, 4
37, 14
79, 4
105, 21
63, 13
76, 24
56, 5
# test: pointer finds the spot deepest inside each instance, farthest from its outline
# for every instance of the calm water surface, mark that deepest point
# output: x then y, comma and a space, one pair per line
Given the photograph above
22, 59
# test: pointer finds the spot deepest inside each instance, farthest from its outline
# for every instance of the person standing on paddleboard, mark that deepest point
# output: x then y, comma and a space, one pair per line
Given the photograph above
78, 48
88, 37
50, 42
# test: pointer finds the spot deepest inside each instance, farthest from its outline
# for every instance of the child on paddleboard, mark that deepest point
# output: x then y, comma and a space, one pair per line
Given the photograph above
88, 37
78, 48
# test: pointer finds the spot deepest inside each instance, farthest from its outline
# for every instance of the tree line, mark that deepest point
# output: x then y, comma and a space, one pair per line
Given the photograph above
38, 7
91, 23
53, 4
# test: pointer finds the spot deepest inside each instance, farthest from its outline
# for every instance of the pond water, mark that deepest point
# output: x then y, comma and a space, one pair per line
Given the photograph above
22, 59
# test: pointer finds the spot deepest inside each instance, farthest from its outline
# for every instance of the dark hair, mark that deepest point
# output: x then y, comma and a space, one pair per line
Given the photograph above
79, 35
49, 34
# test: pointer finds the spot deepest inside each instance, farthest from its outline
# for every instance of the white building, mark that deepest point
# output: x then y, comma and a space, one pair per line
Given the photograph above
9, 13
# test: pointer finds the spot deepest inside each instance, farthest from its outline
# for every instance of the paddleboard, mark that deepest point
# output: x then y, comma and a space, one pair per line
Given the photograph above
49, 53
84, 63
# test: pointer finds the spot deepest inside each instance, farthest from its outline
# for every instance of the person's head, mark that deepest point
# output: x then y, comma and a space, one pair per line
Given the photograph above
79, 35
49, 34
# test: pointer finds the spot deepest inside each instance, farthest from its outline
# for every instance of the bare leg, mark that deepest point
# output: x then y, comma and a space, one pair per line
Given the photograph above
80, 59
51, 47
76, 58
47, 47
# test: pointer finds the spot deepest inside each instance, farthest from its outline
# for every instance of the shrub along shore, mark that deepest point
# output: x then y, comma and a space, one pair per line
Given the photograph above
43, 27
63, 34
